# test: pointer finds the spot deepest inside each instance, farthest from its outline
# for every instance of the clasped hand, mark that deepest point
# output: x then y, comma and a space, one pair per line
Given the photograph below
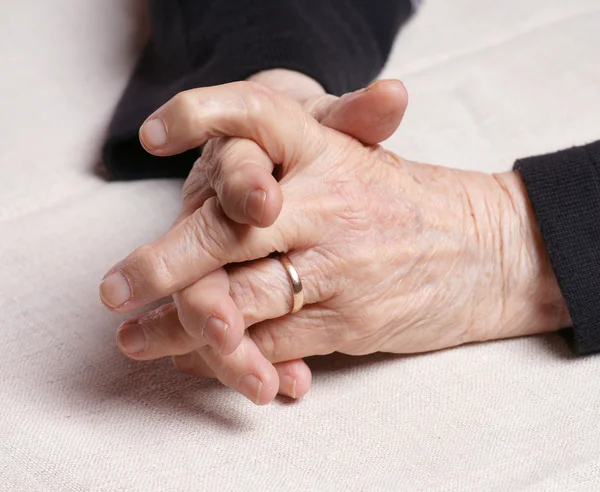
394, 256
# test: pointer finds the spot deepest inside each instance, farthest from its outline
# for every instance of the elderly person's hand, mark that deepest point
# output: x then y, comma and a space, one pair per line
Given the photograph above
232, 168
239, 172
237, 169
394, 256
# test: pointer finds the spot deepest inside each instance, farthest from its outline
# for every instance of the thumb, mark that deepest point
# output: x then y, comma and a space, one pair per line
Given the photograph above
370, 115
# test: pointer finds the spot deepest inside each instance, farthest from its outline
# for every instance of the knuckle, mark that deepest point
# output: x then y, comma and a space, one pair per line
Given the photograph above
207, 231
251, 87
319, 274
209, 151
232, 191
186, 301
153, 268
229, 374
221, 150
225, 370
183, 105
189, 313
255, 101
156, 326
247, 295
266, 341
196, 183
320, 107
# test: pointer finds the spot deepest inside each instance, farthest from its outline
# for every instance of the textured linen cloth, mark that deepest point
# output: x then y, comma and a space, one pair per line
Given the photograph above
489, 81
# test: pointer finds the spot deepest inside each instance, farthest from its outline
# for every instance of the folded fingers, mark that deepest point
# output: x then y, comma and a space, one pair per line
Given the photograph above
143, 337
240, 109
195, 247
207, 239
295, 377
209, 315
217, 309
260, 294
240, 172
246, 370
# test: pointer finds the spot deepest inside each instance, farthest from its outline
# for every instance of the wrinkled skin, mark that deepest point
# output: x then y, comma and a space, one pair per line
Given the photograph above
394, 256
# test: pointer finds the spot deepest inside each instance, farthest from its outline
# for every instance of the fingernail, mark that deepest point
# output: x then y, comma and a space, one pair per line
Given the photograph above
376, 84
153, 133
131, 338
384, 83
115, 290
289, 384
352, 95
255, 205
214, 333
250, 387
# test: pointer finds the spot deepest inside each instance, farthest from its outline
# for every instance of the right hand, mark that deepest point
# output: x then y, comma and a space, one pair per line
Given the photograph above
394, 256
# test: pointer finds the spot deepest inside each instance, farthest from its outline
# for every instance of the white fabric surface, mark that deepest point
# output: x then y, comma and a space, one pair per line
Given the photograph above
489, 81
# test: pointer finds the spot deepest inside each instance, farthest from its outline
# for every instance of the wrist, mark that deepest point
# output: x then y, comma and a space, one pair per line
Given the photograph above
533, 301
296, 85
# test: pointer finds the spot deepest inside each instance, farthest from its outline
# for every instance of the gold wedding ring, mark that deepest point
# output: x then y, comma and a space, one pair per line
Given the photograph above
295, 282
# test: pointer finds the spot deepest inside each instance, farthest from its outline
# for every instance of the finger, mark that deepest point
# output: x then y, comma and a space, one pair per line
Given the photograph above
296, 336
240, 172
147, 336
261, 289
193, 364
246, 371
196, 190
240, 109
250, 293
370, 115
295, 377
198, 245
208, 313
203, 313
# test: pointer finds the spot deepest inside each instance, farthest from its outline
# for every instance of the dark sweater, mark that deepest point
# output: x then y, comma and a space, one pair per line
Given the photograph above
343, 44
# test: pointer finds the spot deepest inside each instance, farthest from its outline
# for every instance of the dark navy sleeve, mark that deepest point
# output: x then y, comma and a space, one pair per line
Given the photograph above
343, 44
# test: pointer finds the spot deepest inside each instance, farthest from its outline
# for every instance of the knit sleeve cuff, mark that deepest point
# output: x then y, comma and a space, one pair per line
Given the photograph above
564, 191
217, 45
